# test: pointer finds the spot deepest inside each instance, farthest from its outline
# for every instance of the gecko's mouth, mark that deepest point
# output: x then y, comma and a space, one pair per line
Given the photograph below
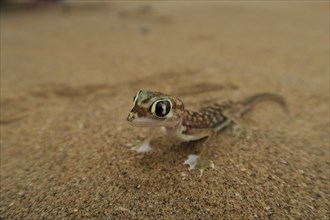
148, 122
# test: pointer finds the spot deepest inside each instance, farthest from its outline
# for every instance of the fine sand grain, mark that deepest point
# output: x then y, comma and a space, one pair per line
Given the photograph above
68, 76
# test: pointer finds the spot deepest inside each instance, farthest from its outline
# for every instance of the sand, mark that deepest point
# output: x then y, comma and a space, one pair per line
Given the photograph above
68, 77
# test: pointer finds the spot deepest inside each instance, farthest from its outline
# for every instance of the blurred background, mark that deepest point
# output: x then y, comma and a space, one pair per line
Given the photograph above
69, 71
104, 42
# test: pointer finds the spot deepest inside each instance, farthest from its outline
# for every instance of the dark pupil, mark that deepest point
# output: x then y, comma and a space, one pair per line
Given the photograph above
162, 108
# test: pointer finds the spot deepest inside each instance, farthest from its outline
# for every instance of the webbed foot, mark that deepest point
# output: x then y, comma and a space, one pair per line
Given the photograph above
143, 148
195, 161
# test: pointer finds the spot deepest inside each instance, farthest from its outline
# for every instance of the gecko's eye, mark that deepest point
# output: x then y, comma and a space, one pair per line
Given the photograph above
161, 108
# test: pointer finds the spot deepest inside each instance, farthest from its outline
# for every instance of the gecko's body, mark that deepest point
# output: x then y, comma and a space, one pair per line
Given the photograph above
196, 125
155, 109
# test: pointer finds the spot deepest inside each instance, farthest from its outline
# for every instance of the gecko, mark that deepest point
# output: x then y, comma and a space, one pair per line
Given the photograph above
155, 109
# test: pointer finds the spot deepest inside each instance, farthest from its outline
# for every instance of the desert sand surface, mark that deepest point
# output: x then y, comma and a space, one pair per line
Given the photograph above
68, 76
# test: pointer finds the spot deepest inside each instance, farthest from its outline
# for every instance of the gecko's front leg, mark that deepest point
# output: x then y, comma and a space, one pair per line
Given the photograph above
145, 146
202, 161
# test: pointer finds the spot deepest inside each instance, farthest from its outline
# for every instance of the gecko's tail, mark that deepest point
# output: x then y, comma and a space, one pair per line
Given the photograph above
251, 101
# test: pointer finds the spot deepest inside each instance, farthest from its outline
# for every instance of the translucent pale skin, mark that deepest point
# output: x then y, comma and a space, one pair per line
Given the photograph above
155, 109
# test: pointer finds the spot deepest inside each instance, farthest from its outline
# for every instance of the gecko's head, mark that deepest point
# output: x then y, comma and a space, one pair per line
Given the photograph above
154, 109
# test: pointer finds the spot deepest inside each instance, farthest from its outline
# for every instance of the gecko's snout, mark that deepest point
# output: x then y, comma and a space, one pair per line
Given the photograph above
130, 117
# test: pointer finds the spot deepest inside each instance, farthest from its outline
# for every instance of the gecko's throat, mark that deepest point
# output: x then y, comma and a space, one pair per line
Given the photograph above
149, 122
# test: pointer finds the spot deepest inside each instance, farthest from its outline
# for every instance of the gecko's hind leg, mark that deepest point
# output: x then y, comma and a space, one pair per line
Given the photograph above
241, 128
242, 131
